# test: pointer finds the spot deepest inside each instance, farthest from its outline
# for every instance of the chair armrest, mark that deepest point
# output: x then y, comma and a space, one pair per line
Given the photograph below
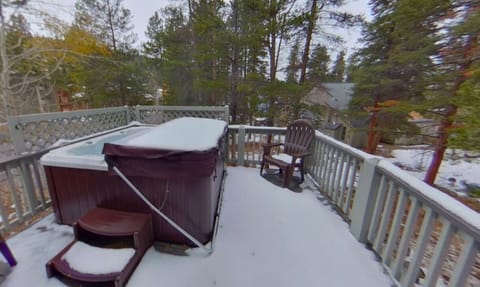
301, 154
271, 144
267, 147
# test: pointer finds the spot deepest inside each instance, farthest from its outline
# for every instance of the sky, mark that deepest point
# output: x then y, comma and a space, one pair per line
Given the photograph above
142, 10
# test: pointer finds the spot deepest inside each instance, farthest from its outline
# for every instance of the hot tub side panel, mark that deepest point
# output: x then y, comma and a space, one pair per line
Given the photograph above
190, 202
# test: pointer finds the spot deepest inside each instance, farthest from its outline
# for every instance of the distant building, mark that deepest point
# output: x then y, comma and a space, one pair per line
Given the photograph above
330, 100
67, 102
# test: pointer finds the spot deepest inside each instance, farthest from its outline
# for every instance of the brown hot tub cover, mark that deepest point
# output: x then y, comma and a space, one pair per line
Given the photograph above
179, 148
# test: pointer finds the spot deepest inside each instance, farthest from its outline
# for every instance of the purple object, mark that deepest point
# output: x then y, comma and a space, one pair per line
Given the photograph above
7, 254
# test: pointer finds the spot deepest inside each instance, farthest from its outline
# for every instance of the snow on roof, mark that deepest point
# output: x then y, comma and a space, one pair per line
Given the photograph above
187, 134
341, 94
335, 95
268, 236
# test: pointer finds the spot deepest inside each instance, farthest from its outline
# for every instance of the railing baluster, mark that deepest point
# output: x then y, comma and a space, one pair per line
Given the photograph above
439, 254
334, 175
406, 236
395, 227
387, 211
241, 146
420, 247
328, 169
235, 146
38, 180
323, 177
13, 192
379, 203
338, 180
324, 166
464, 262
3, 210
343, 196
331, 171
321, 162
28, 187
353, 174
310, 161
328, 172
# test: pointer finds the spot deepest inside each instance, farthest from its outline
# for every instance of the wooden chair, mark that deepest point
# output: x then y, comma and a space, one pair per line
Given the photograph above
299, 135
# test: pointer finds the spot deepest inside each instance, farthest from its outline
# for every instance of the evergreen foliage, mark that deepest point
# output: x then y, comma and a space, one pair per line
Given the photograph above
396, 66
318, 71
339, 67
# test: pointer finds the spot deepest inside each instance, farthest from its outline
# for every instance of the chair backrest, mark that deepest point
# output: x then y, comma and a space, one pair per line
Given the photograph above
299, 135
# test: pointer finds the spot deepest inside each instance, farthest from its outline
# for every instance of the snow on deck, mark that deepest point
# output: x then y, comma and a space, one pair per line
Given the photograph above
268, 236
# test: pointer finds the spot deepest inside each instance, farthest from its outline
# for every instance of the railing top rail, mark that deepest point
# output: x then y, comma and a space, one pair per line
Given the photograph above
71, 114
458, 214
184, 108
344, 147
259, 128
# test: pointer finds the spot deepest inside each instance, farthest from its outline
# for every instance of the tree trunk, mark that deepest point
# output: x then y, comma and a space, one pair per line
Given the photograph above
447, 121
39, 99
312, 20
440, 148
234, 97
373, 136
4, 75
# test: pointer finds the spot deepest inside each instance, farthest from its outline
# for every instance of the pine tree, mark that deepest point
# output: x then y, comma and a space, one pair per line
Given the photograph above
293, 63
109, 22
338, 70
396, 64
170, 40
318, 65
322, 15
209, 52
458, 69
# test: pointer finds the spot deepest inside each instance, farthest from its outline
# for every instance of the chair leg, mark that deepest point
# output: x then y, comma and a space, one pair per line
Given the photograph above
5, 250
287, 176
302, 172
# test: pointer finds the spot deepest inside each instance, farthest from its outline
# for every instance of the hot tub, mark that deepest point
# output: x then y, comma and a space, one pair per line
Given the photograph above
178, 166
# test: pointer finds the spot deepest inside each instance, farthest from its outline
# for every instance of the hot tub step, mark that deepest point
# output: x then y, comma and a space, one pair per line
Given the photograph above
105, 229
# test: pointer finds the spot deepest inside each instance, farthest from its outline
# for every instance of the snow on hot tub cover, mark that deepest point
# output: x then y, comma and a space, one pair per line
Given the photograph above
178, 148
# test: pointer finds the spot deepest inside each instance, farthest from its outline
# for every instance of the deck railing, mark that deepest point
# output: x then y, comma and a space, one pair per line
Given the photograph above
24, 190
31, 133
418, 233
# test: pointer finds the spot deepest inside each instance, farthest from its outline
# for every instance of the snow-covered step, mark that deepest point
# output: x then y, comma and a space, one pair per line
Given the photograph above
107, 248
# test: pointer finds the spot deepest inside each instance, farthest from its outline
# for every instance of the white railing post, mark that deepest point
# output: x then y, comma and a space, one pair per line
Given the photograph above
364, 201
241, 145
227, 114
137, 113
17, 136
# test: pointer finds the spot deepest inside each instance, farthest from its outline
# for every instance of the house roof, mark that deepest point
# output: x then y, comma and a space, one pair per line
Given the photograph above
334, 95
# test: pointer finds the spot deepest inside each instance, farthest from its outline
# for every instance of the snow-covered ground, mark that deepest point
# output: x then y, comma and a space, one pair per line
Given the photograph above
455, 171
268, 236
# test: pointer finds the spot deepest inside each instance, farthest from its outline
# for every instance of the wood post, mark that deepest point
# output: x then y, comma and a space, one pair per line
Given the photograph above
364, 200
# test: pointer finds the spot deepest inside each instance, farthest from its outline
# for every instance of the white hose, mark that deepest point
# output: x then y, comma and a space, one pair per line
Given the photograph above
154, 208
